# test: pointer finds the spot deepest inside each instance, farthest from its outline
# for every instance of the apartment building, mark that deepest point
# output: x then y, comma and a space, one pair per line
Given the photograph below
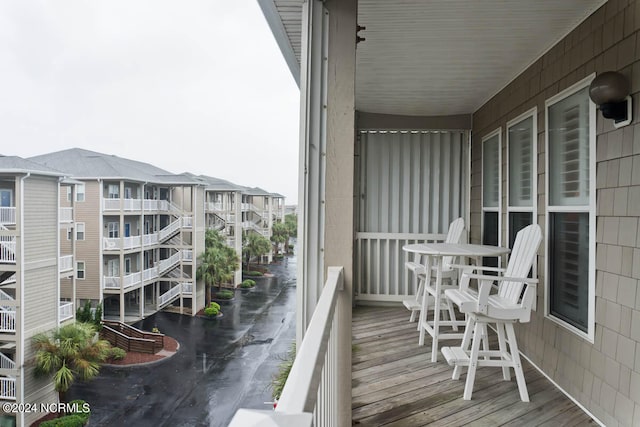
31, 270
223, 212
138, 230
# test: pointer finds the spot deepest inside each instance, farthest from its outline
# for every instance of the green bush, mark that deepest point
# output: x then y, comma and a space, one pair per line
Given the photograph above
84, 314
76, 419
280, 378
116, 353
248, 283
224, 294
252, 273
212, 310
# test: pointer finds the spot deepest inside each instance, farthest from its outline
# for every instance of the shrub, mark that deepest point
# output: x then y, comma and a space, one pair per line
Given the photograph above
280, 378
84, 314
248, 283
252, 273
212, 310
224, 294
116, 353
76, 419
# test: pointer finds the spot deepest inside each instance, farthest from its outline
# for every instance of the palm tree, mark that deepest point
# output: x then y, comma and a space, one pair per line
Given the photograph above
255, 245
69, 353
217, 263
279, 235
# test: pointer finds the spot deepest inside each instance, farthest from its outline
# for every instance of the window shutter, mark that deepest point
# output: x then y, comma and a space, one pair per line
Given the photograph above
490, 172
521, 164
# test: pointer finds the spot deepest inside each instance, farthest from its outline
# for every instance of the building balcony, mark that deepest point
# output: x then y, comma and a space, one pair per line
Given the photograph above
66, 215
7, 388
8, 215
117, 243
127, 281
65, 310
65, 264
7, 320
8, 249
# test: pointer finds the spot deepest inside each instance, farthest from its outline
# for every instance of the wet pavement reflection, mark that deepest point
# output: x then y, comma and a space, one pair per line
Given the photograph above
222, 364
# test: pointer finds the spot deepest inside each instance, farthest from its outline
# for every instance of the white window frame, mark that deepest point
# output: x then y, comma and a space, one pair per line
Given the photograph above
69, 193
533, 113
128, 193
80, 193
127, 266
497, 209
83, 269
590, 209
79, 226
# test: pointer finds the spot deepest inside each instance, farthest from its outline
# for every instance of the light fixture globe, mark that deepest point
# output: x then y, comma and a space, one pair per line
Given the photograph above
609, 87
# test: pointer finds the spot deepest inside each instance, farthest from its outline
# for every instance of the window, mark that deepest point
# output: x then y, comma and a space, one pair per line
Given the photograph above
113, 191
522, 170
127, 266
127, 193
80, 231
80, 270
113, 230
491, 193
80, 193
69, 193
69, 233
570, 259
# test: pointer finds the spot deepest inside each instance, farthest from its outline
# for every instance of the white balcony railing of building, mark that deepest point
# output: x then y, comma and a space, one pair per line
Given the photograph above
173, 260
314, 391
116, 243
65, 263
7, 215
66, 215
214, 207
111, 204
8, 249
150, 274
7, 388
380, 273
182, 222
113, 282
187, 288
65, 310
6, 362
150, 239
169, 296
127, 204
7, 320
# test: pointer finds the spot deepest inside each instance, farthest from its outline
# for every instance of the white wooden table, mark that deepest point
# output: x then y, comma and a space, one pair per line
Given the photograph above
433, 254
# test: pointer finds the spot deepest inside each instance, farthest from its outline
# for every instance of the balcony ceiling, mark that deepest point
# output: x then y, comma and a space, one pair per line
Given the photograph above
441, 57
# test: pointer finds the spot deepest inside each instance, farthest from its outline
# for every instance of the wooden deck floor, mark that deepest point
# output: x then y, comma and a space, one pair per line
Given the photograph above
395, 384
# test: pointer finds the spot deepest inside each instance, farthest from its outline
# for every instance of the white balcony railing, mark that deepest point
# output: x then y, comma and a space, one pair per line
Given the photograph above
214, 207
379, 271
318, 388
7, 320
187, 288
127, 204
116, 243
6, 362
8, 249
111, 204
113, 282
150, 239
150, 273
7, 215
65, 263
65, 310
8, 388
169, 295
66, 214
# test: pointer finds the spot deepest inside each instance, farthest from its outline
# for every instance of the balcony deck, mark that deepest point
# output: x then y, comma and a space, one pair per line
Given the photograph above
394, 383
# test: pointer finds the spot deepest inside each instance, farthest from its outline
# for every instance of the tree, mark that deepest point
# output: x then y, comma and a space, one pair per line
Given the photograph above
291, 223
69, 353
279, 234
255, 245
217, 263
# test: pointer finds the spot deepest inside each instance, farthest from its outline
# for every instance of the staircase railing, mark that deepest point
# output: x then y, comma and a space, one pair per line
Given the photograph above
169, 296
6, 362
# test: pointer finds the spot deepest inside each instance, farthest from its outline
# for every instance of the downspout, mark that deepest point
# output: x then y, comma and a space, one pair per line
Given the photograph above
100, 240
22, 348
58, 250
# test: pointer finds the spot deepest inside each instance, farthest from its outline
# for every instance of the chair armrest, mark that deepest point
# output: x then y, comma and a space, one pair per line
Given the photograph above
477, 267
487, 277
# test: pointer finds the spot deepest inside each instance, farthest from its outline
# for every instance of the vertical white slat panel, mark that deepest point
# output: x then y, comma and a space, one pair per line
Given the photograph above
436, 194
405, 184
447, 170
394, 180
456, 164
385, 177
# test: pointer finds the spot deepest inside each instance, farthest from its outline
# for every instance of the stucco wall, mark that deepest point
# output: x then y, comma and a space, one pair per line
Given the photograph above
603, 376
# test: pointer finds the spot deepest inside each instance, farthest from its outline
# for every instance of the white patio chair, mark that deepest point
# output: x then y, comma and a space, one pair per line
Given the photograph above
414, 304
507, 306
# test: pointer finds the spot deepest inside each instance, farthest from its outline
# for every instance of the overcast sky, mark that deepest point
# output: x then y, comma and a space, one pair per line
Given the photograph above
197, 86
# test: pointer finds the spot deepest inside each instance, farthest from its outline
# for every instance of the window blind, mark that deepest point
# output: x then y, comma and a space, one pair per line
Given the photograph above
521, 164
490, 172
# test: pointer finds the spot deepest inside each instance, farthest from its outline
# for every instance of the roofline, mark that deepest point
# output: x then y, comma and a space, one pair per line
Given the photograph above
30, 171
270, 12
124, 178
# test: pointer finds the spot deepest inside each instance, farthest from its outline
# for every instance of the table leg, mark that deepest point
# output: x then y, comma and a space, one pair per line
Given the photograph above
436, 310
425, 301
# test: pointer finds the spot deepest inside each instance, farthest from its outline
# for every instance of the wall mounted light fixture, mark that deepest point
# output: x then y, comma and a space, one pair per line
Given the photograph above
611, 92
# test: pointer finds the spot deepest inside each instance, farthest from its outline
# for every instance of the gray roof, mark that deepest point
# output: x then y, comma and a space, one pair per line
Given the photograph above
15, 164
257, 191
217, 184
277, 195
85, 164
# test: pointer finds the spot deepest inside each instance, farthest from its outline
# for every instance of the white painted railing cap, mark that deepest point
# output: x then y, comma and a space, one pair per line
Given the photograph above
258, 418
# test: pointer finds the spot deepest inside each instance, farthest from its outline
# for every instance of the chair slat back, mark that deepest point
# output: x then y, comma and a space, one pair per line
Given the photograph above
454, 235
522, 256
